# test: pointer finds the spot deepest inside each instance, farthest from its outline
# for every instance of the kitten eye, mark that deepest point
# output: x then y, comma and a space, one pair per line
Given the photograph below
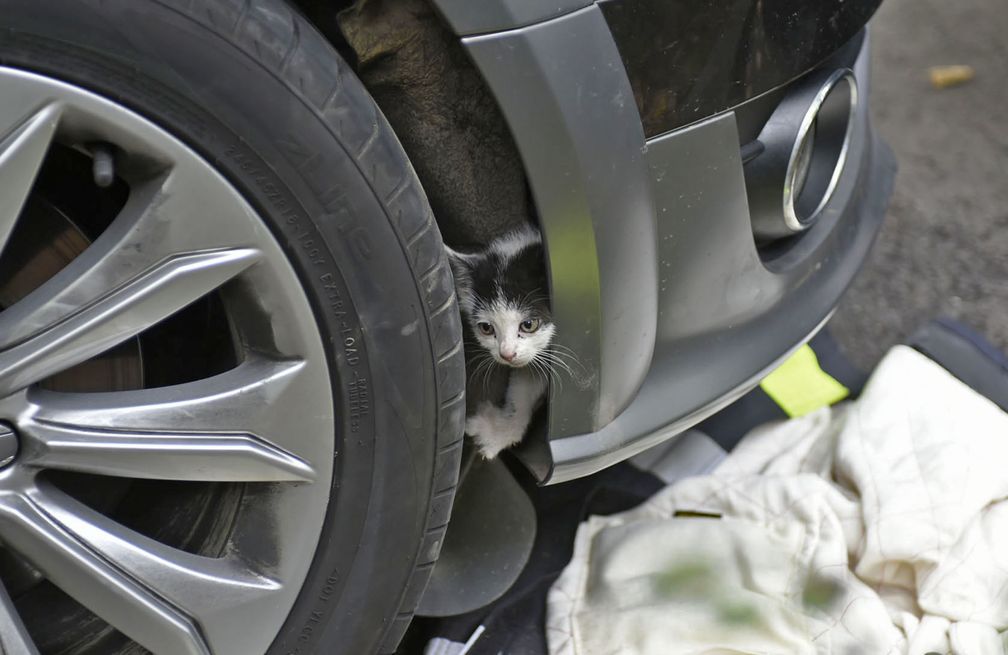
529, 325
485, 328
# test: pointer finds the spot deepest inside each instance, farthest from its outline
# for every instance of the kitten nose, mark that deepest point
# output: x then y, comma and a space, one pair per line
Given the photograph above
506, 355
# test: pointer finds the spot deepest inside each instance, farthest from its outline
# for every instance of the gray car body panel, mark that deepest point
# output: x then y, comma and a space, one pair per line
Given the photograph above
656, 278
580, 137
468, 17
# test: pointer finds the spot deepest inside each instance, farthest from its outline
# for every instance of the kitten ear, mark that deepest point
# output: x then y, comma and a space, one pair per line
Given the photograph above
462, 265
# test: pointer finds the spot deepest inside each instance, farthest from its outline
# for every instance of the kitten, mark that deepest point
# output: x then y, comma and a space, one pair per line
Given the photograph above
508, 327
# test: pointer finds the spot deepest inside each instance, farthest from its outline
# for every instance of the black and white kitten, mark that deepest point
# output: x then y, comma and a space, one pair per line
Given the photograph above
508, 327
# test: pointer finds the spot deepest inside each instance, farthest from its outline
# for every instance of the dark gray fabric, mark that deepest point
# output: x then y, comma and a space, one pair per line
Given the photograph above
967, 355
728, 426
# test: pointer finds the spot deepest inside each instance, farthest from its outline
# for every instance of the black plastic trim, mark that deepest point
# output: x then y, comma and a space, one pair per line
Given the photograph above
690, 59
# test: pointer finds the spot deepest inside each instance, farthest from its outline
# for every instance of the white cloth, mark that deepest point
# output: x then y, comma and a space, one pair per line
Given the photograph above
442, 646
873, 527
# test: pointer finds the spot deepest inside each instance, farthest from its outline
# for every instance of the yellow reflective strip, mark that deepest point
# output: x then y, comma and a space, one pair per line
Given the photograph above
799, 386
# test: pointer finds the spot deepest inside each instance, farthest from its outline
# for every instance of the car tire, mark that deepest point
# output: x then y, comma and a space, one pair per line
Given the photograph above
252, 88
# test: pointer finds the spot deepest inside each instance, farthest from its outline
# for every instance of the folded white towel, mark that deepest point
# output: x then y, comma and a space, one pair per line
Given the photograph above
871, 527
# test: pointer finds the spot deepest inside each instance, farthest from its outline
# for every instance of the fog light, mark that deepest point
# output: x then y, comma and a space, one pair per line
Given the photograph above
821, 150
805, 145
802, 162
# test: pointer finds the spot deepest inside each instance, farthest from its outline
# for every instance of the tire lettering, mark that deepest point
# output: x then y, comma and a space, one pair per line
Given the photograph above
359, 400
359, 240
303, 233
329, 588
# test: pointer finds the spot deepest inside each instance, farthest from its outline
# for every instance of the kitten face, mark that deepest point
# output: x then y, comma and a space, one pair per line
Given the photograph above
512, 333
502, 293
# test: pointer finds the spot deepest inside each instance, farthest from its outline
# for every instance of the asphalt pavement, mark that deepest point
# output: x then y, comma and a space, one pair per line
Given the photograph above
944, 247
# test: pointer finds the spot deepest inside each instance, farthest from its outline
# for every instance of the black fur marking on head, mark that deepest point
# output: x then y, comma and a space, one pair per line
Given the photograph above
511, 270
517, 278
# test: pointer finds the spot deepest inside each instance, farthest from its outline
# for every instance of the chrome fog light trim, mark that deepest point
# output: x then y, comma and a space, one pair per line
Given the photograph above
820, 150
802, 151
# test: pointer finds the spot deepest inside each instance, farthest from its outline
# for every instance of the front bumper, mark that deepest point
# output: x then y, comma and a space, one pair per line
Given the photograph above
657, 281
727, 317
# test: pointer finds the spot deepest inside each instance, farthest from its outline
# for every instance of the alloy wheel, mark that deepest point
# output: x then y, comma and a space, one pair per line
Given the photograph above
84, 409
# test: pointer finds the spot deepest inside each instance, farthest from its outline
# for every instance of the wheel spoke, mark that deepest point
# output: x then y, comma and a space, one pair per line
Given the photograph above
213, 429
14, 639
161, 597
21, 152
95, 583
165, 220
144, 301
